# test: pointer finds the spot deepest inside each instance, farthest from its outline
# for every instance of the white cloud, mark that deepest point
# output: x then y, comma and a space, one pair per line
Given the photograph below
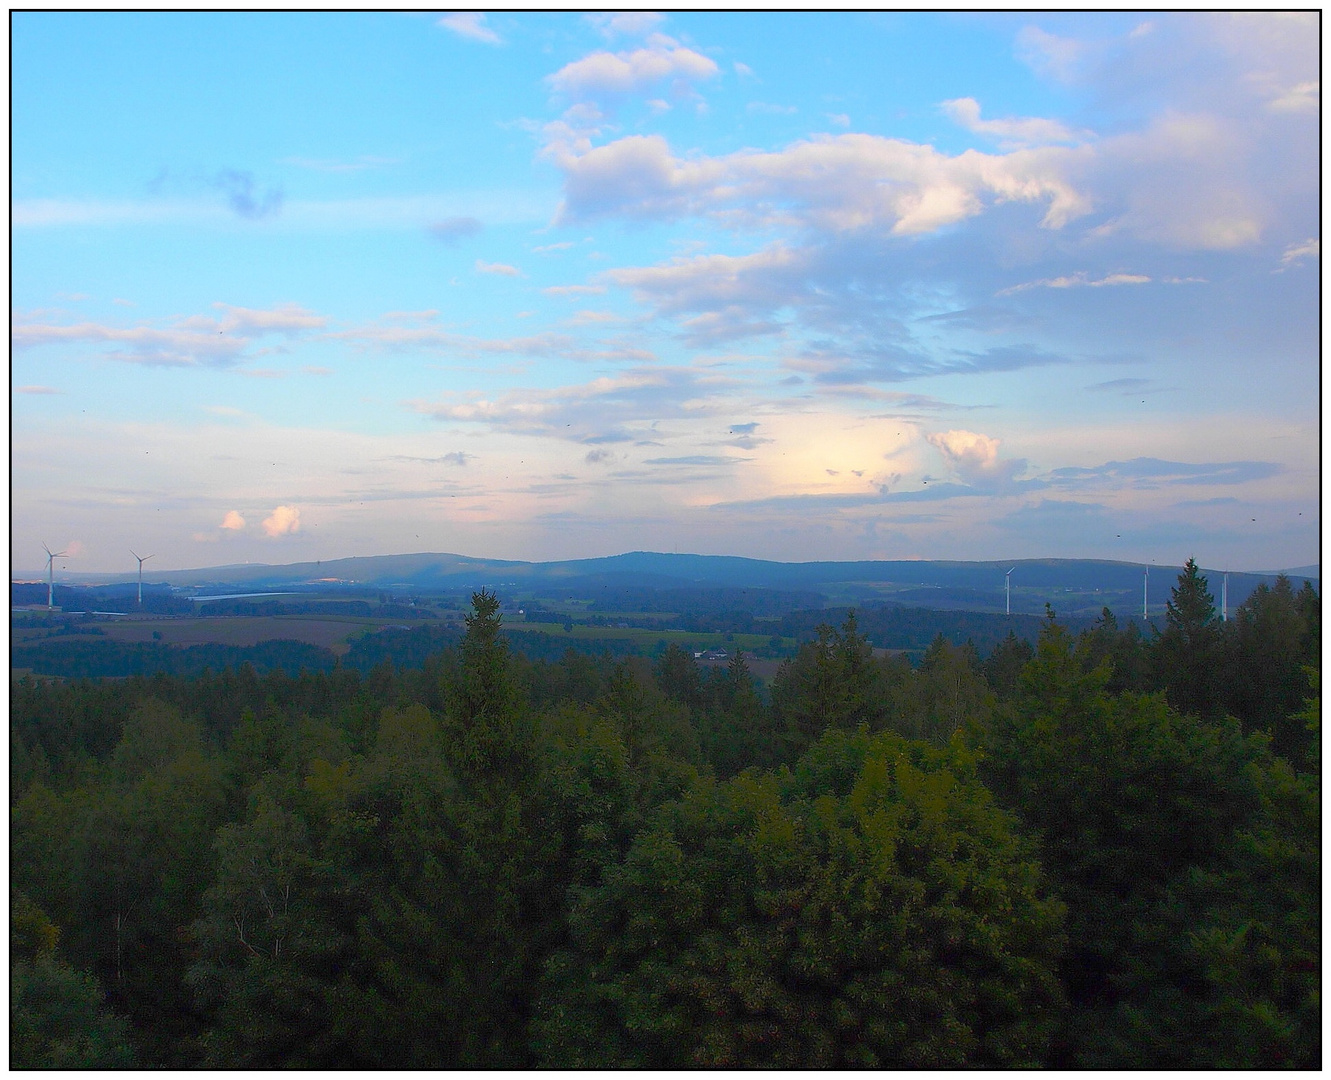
573, 290
471, 25
1301, 97
974, 458
743, 70
233, 521
1013, 132
282, 521
194, 341
37, 390
1048, 54
502, 269
602, 410
1181, 183
839, 119
1079, 280
836, 183
283, 319
1296, 253
428, 337
604, 73
626, 23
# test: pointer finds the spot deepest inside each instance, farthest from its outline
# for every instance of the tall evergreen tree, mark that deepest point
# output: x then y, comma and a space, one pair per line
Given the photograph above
1187, 655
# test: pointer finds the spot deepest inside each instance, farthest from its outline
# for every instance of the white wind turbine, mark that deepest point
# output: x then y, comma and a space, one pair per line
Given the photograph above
142, 559
51, 557
1007, 578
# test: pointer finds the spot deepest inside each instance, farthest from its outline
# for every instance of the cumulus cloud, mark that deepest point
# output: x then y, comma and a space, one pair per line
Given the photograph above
834, 183
470, 25
1180, 182
282, 521
625, 23
662, 59
974, 458
730, 293
1013, 132
454, 229
233, 521
502, 269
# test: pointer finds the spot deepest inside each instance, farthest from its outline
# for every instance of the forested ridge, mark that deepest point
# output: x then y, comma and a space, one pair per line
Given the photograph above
1100, 850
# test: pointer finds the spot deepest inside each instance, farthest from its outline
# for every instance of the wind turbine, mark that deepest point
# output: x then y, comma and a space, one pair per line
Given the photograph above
142, 559
1145, 578
1007, 578
51, 557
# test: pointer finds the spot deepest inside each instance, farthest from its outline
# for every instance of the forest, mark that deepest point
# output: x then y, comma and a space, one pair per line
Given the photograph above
1097, 850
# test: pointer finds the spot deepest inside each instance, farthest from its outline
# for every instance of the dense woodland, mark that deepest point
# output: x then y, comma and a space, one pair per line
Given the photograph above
1100, 850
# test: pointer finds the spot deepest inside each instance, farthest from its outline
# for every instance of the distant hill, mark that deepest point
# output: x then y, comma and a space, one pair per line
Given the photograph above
1071, 586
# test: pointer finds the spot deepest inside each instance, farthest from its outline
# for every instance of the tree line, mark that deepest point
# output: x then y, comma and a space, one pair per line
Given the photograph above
1100, 850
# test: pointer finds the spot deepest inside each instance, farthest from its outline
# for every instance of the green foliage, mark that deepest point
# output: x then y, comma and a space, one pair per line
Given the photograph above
945, 694
873, 909
1188, 654
1122, 652
498, 862
58, 1018
678, 678
829, 683
735, 730
1129, 800
1003, 667
1267, 672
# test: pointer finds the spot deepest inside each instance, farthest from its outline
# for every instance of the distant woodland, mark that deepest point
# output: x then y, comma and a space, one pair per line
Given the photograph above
1083, 847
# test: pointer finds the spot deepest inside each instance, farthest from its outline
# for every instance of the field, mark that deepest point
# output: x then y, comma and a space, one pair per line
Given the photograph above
333, 632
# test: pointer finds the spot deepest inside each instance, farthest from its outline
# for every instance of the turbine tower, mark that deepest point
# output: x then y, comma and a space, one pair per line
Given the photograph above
1146, 577
142, 559
51, 557
1007, 579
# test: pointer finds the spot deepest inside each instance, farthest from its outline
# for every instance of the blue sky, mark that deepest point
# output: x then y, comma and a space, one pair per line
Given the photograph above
791, 286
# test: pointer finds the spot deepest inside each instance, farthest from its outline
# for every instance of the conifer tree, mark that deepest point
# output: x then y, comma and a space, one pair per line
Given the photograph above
1187, 654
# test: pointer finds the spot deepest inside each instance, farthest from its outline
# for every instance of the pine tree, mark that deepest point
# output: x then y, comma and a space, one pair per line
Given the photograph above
1187, 654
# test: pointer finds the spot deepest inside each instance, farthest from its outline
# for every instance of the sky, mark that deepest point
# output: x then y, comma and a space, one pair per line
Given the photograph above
537, 286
